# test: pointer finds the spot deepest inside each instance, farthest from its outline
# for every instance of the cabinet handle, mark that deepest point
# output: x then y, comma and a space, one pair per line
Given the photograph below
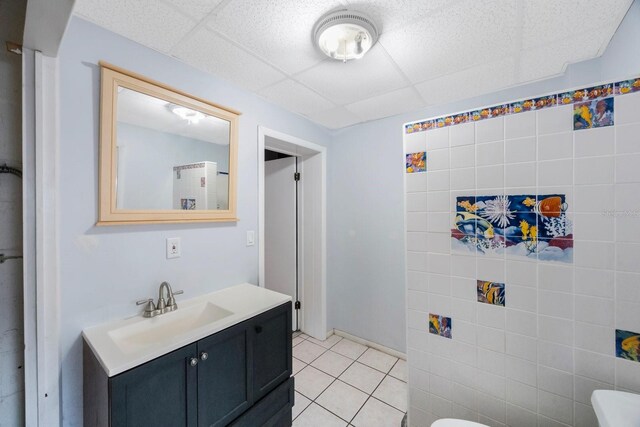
193, 361
204, 355
258, 329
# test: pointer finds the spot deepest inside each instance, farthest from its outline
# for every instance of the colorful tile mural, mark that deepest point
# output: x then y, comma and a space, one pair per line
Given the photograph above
628, 345
416, 162
440, 325
593, 114
491, 292
586, 95
521, 225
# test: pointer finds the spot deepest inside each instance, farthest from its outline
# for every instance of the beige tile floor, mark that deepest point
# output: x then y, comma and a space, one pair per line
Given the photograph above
343, 383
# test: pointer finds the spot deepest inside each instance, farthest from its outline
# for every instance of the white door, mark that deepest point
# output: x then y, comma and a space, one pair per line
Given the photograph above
280, 228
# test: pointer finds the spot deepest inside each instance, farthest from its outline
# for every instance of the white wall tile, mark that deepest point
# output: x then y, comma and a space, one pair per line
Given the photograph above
417, 280
520, 125
463, 156
627, 256
597, 366
520, 150
555, 120
627, 229
584, 415
462, 135
555, 172
594, 254
437, 138
492, 409
416, 182
464, 288
556, 330
555, 277
491, 339
489, 130
417, 300
627, 288
628, 375
438, 242
490, 177
627, 169
439, 263
490, 153
416, 221
523, 273
595, 142
594, 198
554, 381
491, 269
596, 338
520, 322
415, 142
417, 261
594, 227
520, 175
491, 315
417, 202
555, 407
437, 201
627, 107
416, 241
438, 180
463, 266
440, 223
594, 170
555, 356
438, 159
555, 146
521, 346
584, 388
521, 417
628, 315
594, 310
463, 310
463, 179
628, 138
521, 370
521, 297
626, 198
557, 304
466, 332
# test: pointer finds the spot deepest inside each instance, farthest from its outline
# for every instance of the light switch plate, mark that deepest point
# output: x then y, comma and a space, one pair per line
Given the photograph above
251, 238
173, 247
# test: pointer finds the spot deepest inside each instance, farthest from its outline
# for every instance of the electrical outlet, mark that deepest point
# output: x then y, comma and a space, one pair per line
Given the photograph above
173, 247
251, 238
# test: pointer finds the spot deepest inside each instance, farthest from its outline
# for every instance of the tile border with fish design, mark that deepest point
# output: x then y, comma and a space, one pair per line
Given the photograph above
529, 226
581, 95
492, 293
436, 325
628, 345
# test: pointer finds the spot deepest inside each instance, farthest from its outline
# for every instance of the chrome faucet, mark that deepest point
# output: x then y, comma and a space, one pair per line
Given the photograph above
163, 305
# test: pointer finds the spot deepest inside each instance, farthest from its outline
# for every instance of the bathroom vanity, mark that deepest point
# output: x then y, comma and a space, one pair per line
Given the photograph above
220, 359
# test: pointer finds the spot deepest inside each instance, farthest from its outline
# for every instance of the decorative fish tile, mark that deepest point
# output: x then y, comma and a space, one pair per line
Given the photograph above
440, 325
628, 345
593, 114
578, 96
627, 86
416, 162
491, 292
516, 225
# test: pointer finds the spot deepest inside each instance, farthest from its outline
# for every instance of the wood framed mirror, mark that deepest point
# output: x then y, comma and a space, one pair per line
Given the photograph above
165, 156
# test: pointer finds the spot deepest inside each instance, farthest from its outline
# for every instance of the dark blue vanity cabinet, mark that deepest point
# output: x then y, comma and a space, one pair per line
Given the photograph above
240, 376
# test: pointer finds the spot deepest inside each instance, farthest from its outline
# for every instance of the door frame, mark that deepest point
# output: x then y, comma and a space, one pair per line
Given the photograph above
313, 248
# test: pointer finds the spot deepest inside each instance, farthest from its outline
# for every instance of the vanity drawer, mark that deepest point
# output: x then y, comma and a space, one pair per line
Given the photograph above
274, 410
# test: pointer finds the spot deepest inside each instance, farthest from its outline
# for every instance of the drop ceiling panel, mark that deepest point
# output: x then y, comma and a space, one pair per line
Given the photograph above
469, 83
335, 118
296, 97
211, 53
388, 104
545, 21
453, 38
148, 22
372, 75
279, 30
197, 9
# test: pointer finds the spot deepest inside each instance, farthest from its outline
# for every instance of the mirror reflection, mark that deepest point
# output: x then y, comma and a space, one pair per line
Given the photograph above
168, 156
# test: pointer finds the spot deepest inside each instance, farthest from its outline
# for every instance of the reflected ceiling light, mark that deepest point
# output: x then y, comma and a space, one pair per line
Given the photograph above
345, 34
192, 116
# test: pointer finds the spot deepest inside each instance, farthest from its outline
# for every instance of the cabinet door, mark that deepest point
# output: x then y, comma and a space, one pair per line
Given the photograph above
159, 393
271, 337
223, 376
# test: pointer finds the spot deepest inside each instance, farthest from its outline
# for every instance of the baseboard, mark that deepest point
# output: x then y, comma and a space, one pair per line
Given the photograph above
368, 343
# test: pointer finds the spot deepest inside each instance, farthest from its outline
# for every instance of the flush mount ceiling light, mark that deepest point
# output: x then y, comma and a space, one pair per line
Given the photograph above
192, 116
345, 34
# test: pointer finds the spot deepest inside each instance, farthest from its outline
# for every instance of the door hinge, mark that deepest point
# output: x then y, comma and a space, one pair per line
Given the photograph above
297, 305
296, 176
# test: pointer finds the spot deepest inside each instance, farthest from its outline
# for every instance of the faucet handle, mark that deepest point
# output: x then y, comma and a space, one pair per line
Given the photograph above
172, 301
150, 309
180, 292
144, 301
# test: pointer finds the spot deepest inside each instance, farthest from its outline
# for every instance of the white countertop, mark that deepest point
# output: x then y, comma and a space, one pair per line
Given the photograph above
616, 408
145, 339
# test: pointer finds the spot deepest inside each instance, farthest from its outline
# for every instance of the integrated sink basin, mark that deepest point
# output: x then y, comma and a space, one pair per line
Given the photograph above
167, 327
616, 408
120, 345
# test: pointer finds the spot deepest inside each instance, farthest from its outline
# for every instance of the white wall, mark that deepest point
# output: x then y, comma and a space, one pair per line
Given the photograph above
370, 155
103, 271
11, 323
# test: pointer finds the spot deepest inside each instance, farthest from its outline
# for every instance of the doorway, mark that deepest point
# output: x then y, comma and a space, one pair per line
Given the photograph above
307, 208
281, 259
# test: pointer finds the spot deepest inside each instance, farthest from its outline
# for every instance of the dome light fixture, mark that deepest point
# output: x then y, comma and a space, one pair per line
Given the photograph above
345, 34
191, 116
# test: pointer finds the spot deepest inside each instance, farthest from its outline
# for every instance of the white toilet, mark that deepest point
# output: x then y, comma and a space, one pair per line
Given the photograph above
450, 422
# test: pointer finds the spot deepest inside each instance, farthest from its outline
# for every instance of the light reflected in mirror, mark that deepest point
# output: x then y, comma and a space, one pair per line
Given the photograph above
168, 156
